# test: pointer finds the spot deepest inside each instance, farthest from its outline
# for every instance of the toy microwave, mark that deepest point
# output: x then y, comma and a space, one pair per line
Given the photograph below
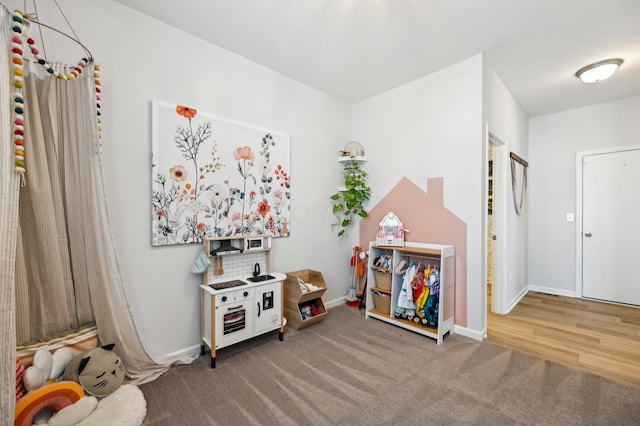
257, 243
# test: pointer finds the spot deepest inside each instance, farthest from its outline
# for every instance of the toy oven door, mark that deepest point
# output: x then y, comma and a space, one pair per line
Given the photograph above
233, 323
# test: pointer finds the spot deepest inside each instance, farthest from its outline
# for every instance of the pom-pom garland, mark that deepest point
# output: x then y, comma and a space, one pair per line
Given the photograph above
96, 78
42, 61
18, 100
18, 83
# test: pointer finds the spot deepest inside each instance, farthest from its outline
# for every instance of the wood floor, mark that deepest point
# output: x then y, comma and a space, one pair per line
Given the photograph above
601, 338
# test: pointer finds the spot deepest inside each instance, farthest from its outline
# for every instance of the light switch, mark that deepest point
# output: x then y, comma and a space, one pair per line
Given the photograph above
570, 217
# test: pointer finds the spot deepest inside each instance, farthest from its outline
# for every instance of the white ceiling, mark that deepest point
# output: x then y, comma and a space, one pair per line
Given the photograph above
355, 49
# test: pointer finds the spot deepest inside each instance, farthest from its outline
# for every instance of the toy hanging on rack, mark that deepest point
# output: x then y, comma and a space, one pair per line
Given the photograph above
433, 301
421, 300
417, 283
405, 308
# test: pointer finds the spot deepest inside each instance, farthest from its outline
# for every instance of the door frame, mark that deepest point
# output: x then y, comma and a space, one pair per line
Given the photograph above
578, 216
498, 302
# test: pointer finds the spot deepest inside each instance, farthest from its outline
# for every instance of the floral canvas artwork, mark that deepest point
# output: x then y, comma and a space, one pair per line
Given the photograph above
214, 177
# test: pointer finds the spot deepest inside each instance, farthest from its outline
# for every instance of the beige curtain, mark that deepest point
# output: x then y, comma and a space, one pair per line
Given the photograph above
9, 187
66, 267
52, 273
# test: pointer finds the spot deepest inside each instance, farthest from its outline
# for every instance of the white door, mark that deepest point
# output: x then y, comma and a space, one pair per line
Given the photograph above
267, 308
611, 226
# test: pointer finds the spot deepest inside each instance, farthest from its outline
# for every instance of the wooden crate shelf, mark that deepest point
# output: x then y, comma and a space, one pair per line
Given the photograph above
295, 299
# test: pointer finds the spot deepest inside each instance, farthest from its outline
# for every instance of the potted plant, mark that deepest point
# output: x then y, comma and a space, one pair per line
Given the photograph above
349, 200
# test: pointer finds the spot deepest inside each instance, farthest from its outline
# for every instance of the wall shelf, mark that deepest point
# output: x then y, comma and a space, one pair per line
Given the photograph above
357, 159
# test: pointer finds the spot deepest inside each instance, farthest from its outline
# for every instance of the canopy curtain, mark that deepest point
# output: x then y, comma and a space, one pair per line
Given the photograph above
59, 262
9, 188
68, 268
56, 216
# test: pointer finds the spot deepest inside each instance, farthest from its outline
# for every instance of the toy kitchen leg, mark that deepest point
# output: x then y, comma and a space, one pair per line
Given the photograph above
207, 331
202, 345
283, 319
213, 335
212, 328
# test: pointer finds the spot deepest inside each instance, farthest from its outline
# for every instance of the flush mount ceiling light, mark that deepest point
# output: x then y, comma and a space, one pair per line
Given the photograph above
598, 71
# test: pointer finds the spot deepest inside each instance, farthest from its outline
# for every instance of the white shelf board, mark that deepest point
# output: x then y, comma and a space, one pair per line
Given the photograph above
357, 159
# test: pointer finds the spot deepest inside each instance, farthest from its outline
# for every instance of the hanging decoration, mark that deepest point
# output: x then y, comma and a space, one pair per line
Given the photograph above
97, 84
18, 100
17, 57
70, 76
519, 206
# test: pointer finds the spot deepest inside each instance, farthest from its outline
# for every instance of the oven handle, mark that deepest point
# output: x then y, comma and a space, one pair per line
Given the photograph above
236, 308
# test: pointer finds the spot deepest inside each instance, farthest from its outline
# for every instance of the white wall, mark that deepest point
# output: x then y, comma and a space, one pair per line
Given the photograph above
554, 141
141, 59
432, 127
510, 124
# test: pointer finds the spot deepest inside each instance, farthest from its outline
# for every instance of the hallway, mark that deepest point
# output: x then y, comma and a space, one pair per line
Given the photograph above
601, 338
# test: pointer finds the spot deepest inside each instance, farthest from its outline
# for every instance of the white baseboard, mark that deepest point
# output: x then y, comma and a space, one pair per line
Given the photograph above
467, 332
336, 302
517, 299
554, 291
183, 356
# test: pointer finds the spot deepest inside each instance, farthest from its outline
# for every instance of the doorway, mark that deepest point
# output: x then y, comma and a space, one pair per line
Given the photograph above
608, 232
495, 224
491, 237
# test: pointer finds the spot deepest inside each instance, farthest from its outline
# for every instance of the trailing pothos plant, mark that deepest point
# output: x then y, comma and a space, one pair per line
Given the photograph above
349, 200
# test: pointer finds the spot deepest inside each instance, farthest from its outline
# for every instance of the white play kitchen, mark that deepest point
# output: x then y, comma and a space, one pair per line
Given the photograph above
239, 297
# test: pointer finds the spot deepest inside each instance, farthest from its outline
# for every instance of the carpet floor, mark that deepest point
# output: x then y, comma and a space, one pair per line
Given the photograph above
348, 370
